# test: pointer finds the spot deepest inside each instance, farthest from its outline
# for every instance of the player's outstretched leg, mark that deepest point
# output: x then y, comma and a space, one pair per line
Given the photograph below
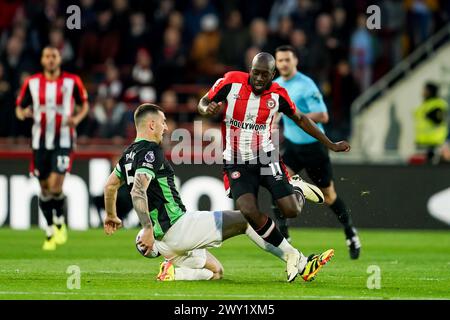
265, 227
315, 263
303, 191
234, 223
307, 267
281, 221
310, 191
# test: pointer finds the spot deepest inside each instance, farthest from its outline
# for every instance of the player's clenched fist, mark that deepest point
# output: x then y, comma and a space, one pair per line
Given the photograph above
111, 224
24, 113
213, 108
341, 146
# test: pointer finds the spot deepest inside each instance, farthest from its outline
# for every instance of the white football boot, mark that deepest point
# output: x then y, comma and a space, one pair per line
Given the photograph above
310, 191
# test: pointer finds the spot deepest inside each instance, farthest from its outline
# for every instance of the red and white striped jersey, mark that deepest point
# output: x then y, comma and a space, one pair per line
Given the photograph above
247, 118
52, 103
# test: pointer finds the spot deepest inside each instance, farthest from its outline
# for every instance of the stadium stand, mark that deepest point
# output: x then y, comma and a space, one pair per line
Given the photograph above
129, 51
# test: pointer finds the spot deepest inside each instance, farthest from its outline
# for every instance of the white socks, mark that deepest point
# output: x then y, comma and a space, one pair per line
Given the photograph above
45, 198
192, 274
256, 238
286, 248
58, 220
302, 262
49, 231
183, 273
281, 251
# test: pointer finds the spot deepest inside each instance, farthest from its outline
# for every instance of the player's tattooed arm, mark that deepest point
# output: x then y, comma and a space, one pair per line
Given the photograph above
139, 198
311, 128
140, 204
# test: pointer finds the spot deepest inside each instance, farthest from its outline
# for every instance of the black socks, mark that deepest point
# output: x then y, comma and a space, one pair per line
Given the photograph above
341, 212
282, 222
270, 233
59, 204
46, 205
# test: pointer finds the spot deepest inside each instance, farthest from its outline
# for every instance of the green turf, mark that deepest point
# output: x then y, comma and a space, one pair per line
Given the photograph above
413, 264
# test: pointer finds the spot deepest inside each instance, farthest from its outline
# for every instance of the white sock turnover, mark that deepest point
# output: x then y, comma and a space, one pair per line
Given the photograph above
281, 251
192, 274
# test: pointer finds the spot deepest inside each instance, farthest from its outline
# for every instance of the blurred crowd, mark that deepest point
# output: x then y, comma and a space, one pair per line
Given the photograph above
170, 52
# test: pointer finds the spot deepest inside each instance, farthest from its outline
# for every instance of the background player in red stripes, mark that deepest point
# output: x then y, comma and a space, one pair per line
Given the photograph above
50, 98
250, 101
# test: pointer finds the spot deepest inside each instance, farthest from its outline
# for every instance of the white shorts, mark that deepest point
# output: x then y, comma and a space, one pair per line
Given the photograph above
186, 241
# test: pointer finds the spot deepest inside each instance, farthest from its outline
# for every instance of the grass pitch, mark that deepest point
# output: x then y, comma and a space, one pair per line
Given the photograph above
412, 265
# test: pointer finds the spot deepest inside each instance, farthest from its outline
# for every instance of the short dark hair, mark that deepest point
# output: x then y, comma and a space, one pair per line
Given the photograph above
144, 109
50, 47
285, 48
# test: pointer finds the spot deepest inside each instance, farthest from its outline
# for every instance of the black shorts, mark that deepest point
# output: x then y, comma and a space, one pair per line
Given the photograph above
45, 162
246, 178
312, 157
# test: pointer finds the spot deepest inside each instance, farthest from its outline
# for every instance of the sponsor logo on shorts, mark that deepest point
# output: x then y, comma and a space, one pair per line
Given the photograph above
149, 156
235, 175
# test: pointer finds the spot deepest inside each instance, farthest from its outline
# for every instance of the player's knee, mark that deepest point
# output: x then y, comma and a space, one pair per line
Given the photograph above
55, 190
217, 275
292, 210
45, 192
217, 272
330, 197
241, 227
249, 210
247, 207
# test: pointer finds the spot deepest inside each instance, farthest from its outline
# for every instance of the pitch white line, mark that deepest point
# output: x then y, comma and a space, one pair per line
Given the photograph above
210, 295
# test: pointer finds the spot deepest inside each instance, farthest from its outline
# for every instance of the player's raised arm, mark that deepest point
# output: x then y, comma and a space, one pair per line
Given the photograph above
140, 203
311, 128
211, 103
112, 222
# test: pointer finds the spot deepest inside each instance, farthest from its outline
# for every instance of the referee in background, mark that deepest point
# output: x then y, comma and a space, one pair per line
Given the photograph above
302, 151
